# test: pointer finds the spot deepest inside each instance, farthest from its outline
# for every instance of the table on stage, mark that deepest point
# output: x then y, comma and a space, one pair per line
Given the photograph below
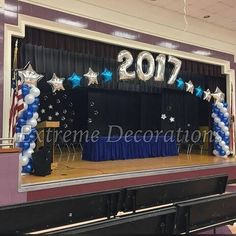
117, 148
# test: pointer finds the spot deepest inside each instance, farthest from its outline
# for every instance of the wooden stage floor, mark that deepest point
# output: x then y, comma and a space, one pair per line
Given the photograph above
67, 167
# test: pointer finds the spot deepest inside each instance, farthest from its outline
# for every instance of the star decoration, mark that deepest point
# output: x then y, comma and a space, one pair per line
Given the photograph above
64, 111
218, 95
198, 92
65, 126
56, 83
180, 83
75, 80
63, 118
57, 113
91, 76
172, 119
49, 118
29, 76
188, 125
58, 101
106, 75
189, 87
43, 111
163, 116
50, 107
207, 95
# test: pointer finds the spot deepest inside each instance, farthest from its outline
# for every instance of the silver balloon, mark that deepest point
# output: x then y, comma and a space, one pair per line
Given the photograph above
227, 133
189, 87
207, 95
35, 91
216, 153
218, 95
26, 129
177, 66
32, 122
150, 68
29, 76
32, 145
228, 153
28, 153
160, 70
25, 106
24, 160
56, 83
127, 59
226, 114
36, 115
19, 137
29, 98
91, 76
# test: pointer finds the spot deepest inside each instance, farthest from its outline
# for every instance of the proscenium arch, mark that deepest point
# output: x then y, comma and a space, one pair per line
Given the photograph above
23, 21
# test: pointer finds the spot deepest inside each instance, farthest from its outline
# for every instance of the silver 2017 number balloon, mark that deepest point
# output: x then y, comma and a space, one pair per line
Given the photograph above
150, 66
127, 59
177, 65
160, 70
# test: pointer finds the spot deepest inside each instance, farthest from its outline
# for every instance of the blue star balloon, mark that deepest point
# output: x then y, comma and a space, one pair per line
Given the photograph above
180, 83
106, 75
75, 80
198, 92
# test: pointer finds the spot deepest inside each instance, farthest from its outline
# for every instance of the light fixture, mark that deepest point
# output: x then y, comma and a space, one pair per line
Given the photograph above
167, 44
206, 16
72, 23
126, 35
202, 52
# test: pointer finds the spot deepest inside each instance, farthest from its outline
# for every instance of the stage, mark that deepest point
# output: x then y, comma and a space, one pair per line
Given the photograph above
69, 169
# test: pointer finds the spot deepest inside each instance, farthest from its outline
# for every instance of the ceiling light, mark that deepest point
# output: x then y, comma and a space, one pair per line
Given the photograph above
72, 23
166, 44
126, 35
202, 52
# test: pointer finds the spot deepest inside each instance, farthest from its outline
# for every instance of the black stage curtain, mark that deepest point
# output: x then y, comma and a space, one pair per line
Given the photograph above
107, 103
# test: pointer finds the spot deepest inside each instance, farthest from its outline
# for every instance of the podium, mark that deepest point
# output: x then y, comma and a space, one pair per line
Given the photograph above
46, 136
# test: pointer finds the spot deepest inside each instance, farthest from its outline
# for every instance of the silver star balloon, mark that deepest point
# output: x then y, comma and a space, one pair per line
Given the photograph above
92, 77
207, 95
29, 76
56, 83
218, 95
189, 87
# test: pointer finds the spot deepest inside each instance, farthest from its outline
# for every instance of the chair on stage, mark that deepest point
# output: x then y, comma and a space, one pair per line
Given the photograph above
198, 143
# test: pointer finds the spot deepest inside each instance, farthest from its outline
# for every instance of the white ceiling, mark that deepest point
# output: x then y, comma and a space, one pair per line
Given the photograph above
221, 12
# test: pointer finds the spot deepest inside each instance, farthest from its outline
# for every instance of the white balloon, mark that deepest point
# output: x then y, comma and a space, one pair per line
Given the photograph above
217, 120
226, 114
227, 133
24, 160
213, 115
35, 91
220, 105
25, 106
32, 122
26, 129
36, 115
222, 143
28, 153
32, 145
221, 124
19, 137
215, 152
225, 110
227, 153
29, 98
226, 148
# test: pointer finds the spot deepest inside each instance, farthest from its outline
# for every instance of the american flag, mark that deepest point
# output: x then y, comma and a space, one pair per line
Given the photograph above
17, 106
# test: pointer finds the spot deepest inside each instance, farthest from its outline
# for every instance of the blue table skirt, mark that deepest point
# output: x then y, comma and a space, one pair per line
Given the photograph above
105, 149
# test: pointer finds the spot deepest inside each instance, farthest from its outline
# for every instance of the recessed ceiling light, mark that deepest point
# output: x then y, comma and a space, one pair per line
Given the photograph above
202, 52
166, 44
126, 35
206, 16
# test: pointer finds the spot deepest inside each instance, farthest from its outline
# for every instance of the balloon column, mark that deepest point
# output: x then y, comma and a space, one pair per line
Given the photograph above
27, 120
221, 125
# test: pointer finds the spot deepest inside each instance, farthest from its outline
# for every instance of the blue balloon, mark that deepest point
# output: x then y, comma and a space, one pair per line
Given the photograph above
33, 131
18, 129
75, 80
28, 115
32, 137
27, 169
25, 90
25, 145
33, 107
222, 152
198, 92
225, 104
21, 122
217, 110
106, 75
36, 101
